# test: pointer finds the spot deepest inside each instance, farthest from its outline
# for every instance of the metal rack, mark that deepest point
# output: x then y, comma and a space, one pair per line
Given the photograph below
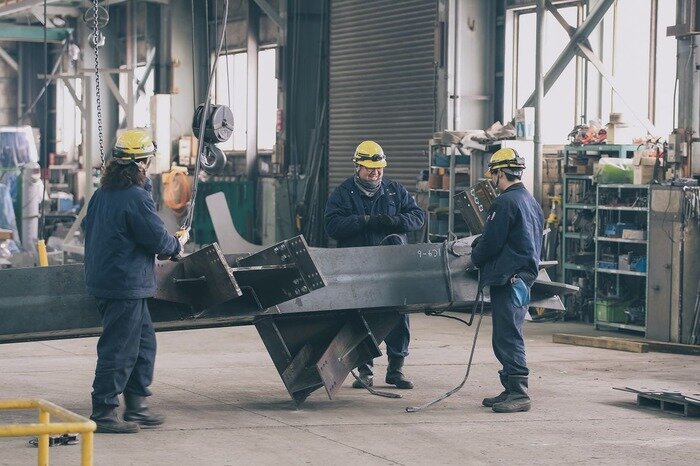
621, 256
446, 161
578, 232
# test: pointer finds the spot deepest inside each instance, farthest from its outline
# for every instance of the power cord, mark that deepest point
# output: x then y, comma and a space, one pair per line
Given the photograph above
372, 390
479, 303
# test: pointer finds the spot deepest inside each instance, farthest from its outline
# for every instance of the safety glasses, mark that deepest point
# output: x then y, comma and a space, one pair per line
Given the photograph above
373, 158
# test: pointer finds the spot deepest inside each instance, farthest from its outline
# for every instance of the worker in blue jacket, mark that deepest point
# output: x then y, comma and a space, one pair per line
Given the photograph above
508, 254
123, 235
369, 210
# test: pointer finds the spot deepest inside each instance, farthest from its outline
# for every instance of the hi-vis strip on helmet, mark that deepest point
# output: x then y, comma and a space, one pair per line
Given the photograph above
133, 145
508, 160
369, 154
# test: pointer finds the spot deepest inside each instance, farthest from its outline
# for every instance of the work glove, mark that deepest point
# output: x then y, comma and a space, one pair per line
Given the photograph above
183, 236
372, 221
476, 241
390, 221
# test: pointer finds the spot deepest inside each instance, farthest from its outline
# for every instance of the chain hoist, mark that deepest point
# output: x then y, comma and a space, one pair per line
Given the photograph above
97, 17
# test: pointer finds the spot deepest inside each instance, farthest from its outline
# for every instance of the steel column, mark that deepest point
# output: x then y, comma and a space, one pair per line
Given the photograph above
539, 97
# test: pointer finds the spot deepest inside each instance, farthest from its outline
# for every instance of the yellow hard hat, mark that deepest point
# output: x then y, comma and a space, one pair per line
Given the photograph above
508, 160
369, 154
133, 145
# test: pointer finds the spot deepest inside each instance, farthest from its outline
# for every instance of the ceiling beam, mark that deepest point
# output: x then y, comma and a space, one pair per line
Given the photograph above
20, 6
22, 33
271, 12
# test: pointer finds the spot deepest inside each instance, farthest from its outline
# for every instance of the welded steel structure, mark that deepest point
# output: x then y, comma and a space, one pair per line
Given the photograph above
319, 312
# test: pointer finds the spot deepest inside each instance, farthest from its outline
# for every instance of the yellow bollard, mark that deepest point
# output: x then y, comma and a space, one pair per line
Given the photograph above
43, 257
86, 449
43, 439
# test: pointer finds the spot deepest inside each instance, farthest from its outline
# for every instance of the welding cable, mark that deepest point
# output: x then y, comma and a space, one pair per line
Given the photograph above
480, 303
372, 390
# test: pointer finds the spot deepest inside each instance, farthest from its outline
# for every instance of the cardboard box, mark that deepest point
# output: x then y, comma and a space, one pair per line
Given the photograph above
461, 179
643, 169
634, 234
525, 123
434, 181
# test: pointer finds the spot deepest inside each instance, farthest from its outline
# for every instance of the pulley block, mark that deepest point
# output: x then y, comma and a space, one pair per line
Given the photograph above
218, 126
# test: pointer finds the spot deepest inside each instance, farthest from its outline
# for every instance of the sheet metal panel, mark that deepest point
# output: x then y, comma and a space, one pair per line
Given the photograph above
382, 84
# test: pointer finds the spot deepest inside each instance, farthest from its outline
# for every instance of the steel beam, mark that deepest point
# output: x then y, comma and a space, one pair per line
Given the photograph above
594, 17
21, 5
23, 33
8, 59
586, 51
271, 12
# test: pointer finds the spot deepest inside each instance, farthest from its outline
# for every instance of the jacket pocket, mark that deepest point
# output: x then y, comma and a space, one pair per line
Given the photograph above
519, 292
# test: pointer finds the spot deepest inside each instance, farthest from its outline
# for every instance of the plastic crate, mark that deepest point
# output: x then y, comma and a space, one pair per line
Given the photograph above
610, 311
607, 265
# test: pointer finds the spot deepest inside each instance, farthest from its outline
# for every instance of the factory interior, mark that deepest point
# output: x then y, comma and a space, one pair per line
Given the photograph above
302, 177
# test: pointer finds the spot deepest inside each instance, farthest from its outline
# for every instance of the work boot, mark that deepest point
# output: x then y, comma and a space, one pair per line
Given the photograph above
517, 399
503, 395
365, 371
108, 421
138, 412
394, 375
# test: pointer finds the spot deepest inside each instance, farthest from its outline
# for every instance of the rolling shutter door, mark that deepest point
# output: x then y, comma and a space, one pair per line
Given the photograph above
382, 84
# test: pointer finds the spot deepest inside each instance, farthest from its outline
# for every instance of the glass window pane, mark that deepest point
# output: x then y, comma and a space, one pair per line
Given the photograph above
631, 70
230, 90
267, 99
558, 106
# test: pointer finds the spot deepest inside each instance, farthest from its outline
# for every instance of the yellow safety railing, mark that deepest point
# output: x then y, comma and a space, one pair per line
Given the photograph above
72, 423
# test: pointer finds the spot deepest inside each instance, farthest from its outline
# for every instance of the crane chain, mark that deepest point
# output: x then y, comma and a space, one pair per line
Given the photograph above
97, 17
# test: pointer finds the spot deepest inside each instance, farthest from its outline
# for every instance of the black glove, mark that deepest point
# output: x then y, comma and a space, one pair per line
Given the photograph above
476, 241
372, 221
390, 221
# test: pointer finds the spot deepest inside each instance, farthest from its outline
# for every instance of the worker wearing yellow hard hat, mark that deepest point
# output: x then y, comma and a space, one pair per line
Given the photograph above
508, 254
134, 145
508, 161
370, 210
123, 235
369, 154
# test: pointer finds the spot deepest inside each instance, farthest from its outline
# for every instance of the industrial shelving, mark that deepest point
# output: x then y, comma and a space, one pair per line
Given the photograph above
446, 161
577, 247
621, 259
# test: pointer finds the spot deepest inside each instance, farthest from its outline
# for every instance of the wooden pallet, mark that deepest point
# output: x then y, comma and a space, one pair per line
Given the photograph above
601, 342
668, 402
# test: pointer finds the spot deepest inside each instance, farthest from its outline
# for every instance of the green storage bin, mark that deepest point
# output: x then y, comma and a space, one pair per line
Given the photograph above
608, 310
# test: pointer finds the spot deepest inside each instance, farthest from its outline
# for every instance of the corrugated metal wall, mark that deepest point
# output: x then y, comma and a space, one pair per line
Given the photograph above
383, 83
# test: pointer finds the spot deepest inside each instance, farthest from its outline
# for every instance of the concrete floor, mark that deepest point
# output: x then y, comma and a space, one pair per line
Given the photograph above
226, 405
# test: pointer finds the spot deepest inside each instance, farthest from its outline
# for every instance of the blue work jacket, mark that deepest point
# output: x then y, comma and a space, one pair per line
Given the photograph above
512, 238
347, 207
123, 234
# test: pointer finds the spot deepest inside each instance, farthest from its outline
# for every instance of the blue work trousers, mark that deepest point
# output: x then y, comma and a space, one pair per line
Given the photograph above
507, 339
396, 343
126, 351
398, 339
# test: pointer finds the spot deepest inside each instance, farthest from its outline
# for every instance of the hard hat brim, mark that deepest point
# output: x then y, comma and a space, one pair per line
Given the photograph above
372, 164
